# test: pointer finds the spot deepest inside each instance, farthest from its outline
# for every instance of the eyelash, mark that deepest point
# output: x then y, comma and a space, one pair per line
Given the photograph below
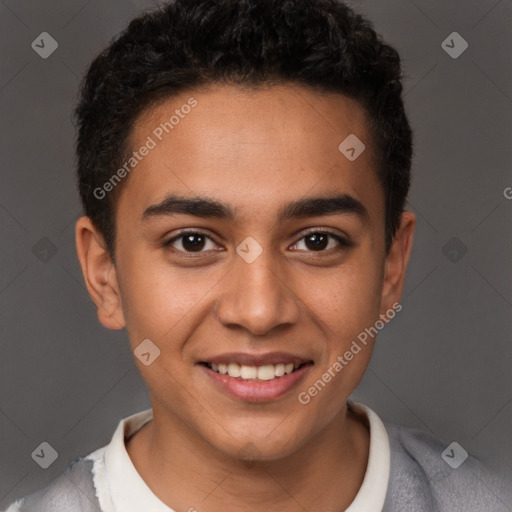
343, 242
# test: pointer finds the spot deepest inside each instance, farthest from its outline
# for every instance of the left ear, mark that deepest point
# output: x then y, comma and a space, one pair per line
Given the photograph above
396, 261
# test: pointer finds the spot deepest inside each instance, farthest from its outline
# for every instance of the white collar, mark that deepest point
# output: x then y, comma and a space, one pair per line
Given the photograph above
120, 488
372, 492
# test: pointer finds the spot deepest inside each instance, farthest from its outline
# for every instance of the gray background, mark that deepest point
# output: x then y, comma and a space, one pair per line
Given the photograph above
444, 363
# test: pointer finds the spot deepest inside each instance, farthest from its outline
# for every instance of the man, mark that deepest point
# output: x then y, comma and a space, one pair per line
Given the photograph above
243, 167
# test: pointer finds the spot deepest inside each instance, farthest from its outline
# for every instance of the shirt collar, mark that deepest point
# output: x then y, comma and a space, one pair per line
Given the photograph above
128, 491
372, 493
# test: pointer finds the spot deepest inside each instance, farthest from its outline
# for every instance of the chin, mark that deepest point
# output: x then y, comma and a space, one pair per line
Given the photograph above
252, 446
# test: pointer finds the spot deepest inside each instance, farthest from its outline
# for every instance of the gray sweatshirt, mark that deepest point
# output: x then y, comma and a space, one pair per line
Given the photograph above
419, 481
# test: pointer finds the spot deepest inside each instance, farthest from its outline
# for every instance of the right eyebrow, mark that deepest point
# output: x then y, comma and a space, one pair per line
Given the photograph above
199, 207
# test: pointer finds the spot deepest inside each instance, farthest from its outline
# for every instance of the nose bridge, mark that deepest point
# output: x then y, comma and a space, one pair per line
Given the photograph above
255, 297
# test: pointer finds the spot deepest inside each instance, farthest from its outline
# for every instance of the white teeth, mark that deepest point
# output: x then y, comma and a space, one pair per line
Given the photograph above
233, 370
264, 372
248, 372
279, 370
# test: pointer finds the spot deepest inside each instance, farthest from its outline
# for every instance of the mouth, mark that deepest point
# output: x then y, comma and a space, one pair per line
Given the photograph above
254, 378
254, 373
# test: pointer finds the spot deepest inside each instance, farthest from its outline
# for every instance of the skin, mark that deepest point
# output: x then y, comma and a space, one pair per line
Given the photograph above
254, 150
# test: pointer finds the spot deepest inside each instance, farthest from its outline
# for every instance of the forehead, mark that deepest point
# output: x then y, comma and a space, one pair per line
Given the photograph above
257, 147
230, 117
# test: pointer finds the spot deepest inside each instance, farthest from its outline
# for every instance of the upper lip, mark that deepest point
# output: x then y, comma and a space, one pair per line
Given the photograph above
257, 359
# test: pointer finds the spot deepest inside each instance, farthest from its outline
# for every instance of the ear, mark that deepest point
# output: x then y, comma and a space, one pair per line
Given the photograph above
396, 261
99, 274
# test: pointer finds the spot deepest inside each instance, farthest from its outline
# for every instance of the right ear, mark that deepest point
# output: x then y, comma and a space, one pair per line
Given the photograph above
99, 274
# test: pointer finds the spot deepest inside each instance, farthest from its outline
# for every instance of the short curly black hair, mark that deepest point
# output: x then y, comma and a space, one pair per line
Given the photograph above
321, 44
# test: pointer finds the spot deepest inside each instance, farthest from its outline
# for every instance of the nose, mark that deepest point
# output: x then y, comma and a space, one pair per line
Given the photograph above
257, 297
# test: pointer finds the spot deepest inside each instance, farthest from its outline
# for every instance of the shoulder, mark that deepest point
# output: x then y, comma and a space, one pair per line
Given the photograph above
72, 491
422, 479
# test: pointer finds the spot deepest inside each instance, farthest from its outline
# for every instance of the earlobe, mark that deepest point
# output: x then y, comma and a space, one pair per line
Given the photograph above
99, 274
397, 260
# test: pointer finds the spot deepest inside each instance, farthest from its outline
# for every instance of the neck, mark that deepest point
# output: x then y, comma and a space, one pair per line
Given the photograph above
324, 474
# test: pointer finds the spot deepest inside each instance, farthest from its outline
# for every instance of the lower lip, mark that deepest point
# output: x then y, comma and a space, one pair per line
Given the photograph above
257, 391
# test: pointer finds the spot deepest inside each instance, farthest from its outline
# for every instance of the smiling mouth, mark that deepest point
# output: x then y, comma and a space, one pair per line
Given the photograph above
265, 372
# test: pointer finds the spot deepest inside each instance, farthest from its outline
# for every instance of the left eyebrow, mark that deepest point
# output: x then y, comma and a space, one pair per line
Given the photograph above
321, 206
209, 208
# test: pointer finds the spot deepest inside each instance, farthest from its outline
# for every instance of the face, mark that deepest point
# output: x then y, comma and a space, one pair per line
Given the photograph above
245, 237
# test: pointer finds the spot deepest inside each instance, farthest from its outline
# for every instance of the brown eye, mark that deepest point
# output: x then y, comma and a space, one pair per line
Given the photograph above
191, 241
319, 241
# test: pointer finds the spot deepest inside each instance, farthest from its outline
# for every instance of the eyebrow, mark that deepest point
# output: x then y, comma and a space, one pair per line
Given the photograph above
205, 207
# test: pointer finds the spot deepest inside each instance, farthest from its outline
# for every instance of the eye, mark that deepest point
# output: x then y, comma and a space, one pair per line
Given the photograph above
319, 241
190, 242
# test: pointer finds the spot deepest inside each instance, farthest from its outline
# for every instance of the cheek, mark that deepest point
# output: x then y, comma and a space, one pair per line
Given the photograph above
348, 300
158, 299
346, 305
